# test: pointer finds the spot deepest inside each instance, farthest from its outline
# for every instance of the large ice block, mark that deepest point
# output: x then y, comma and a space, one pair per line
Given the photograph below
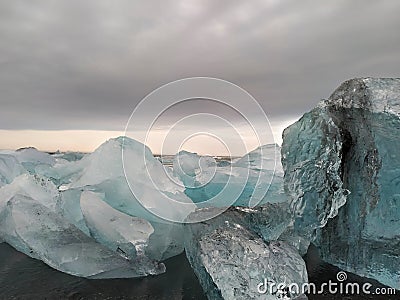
311, 158
35, 230
149, 186
166, 240
350, 142
233, 262
155, 193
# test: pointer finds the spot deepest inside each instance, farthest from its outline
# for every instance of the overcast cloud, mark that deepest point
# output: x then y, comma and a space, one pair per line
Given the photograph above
85, 64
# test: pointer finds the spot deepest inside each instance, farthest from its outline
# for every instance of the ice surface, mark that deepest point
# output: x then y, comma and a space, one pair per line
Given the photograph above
30, 158
40, 233
266, 157
350, 142
68, 156
193, 169
249, 181
62, 172
114, 229
129, 236
69, 208
166, 241
311, 158
231, 261
33, 186
9, 169
269, 221
376, 95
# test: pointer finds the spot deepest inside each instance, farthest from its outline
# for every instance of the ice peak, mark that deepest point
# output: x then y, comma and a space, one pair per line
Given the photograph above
372, 94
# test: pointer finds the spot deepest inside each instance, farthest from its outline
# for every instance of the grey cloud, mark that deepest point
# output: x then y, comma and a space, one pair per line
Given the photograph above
86, 64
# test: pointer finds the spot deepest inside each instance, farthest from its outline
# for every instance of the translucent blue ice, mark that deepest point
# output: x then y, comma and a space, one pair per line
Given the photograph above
231, 260
350, 142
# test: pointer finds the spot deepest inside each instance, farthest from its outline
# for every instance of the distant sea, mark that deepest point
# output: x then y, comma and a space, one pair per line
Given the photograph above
22, 277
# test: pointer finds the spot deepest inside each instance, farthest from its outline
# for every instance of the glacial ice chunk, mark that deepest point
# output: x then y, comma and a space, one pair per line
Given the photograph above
152, 188
350, 142
231, 262
102, 172
311, 158
40, 233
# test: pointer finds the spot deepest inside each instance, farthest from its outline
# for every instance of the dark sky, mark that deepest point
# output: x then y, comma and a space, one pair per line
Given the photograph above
85, 64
